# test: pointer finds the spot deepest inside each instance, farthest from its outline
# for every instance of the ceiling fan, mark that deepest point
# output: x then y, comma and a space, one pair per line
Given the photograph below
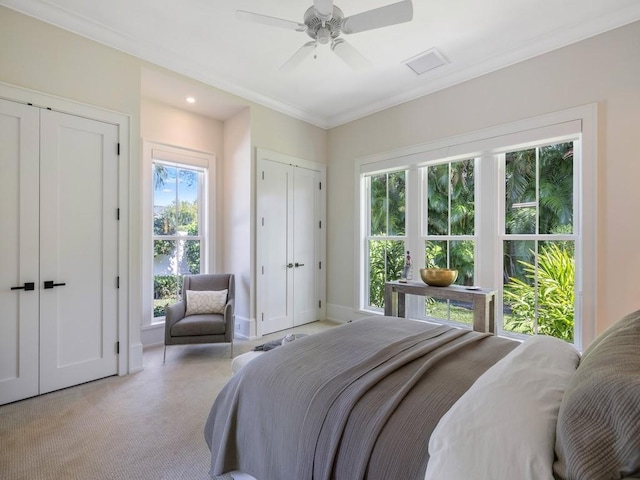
324, 22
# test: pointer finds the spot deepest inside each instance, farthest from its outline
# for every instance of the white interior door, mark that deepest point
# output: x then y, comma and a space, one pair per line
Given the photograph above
18, 251
78, 250
274, 241
288, 244
306, 244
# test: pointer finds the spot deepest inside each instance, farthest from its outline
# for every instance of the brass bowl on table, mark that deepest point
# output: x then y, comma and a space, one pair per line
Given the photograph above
438, 277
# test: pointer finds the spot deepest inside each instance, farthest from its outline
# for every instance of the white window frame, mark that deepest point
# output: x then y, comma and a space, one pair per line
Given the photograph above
368, 237
579, 124
154, 152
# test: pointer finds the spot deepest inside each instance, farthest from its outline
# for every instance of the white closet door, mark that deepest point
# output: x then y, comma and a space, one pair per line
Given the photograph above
288, 244
306, 244
18, 251
274, 241
78, 250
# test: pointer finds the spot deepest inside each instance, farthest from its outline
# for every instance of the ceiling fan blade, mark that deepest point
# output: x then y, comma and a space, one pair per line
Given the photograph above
350, 55
300, 56
271, 21
379, 17
324, 9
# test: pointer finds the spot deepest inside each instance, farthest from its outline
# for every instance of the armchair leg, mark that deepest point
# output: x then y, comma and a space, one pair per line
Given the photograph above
164, 357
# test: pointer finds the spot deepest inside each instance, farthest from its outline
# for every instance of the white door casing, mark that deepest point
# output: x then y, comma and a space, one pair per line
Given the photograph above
59, 183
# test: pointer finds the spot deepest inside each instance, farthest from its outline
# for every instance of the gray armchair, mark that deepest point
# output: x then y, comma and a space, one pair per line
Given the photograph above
202, 327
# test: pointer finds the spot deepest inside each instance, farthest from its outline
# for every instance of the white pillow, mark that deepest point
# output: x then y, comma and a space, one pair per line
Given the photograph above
504, 425
202, 302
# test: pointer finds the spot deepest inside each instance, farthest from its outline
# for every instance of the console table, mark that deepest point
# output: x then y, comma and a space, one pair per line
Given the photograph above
483, 300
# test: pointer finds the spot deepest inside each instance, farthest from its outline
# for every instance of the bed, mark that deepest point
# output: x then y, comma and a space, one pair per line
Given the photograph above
389, 398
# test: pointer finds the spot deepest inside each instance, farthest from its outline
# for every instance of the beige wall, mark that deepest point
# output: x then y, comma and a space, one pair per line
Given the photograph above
173, 126
603, 69
237, 224
280, 133
37, 56
40, 57
166, 125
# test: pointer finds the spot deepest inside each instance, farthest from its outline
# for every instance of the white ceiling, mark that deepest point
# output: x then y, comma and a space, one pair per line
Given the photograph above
204, 40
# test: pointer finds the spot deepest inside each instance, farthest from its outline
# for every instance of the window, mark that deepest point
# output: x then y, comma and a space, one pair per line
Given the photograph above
178, 226
539, 241
449, 240
385, 244
511, 208
177, 230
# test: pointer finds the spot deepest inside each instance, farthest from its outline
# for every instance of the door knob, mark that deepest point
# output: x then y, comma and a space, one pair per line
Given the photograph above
289, 265
50, 284
26, 286
299, 264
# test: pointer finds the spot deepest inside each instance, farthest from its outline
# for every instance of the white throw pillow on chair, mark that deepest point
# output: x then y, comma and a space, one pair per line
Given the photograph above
200, 302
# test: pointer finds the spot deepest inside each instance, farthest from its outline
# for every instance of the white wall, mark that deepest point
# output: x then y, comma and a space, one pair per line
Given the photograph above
37, 56
173, 126
603, 69
237, 221
167, 125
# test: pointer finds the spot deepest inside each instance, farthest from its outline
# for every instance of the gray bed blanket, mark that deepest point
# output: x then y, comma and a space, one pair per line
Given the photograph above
358, 401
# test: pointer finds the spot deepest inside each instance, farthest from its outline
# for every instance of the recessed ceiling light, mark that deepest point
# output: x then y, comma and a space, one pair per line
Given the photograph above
191, 100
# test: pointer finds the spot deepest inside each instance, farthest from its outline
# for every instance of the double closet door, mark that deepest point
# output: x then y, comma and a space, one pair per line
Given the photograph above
290, 286
58, 250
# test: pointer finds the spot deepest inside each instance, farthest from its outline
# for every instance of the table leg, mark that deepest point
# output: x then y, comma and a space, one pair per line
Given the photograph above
480, 320
492, 314
388, 301
401, 304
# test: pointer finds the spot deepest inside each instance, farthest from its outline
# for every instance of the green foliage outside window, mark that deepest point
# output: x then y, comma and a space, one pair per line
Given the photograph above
386, 259
175, 220
539, 201
550, 298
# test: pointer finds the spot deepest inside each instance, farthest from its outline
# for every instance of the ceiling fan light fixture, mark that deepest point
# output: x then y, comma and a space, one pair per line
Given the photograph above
324, 23
323, 36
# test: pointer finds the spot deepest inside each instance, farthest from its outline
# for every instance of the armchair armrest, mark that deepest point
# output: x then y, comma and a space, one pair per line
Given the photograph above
173, 313
229, 319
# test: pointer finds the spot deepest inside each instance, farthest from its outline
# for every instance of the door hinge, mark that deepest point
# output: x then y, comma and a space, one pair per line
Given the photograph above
117, 282
320, 224
263, 269
263, 175
118, 148
117, 214
320, 185
117, 348
319, 303
319, 265
263, 316
263, 221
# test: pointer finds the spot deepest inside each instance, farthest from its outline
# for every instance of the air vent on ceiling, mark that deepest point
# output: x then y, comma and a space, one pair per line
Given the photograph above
426, 61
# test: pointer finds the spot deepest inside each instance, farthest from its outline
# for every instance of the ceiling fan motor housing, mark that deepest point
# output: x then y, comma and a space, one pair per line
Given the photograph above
325, 31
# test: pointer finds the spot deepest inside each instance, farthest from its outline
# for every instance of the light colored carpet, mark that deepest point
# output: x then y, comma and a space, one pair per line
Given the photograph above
148, 425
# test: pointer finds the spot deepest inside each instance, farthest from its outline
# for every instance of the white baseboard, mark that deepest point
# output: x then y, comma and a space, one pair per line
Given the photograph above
245, 328
135, 358
152, 335
338, 313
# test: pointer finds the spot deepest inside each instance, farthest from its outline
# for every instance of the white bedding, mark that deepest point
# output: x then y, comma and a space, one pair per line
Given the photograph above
241, 360
504, 425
